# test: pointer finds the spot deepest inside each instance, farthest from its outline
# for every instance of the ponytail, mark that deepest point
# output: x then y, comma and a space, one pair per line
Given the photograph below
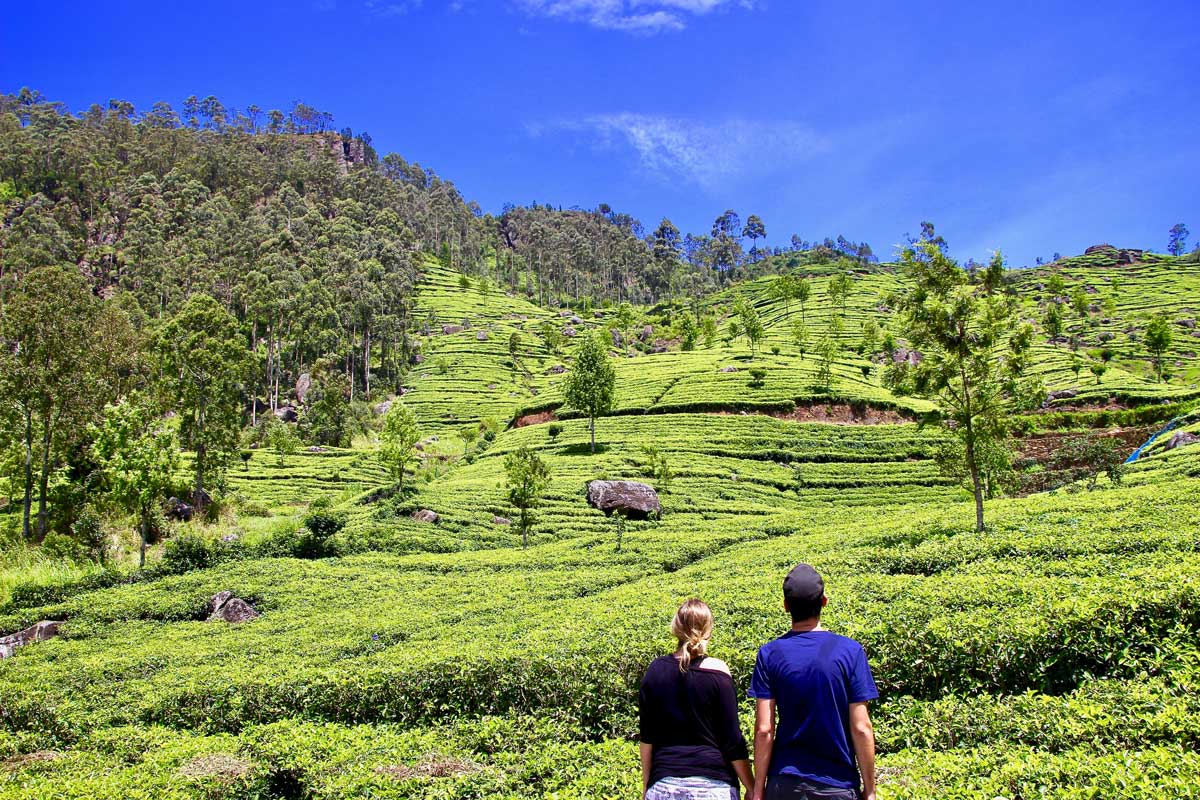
692, 625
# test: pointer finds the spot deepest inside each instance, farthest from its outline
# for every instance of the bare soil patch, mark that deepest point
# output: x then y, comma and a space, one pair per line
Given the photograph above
222, 766
1042, 446
431, 767
534, 419
834, 414
17, 762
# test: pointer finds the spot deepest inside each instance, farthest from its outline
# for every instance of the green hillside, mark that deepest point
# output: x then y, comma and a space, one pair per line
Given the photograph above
1057, 654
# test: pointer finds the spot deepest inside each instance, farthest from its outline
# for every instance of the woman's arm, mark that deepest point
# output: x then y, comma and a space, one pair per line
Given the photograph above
647, 757
745, 774
729, 729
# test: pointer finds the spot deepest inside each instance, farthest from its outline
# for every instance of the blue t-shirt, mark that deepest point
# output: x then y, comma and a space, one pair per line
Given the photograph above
813, 677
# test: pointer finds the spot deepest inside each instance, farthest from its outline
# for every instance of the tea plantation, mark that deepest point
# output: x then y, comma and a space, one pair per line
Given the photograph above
1055, 655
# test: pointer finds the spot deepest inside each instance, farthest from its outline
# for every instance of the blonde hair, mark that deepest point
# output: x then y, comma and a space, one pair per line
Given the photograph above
692, 626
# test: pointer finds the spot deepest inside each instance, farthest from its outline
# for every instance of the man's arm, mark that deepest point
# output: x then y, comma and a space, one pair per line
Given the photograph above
764, 741
864, 747
647, 751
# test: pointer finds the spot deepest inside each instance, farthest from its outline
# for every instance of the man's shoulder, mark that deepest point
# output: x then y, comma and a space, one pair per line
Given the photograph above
827, 642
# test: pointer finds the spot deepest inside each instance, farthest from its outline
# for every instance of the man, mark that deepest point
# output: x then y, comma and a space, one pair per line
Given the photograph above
819, 684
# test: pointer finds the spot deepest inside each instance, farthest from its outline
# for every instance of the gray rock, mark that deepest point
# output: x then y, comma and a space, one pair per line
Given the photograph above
730, 368
224, 607
179, 510
501, 521
569, 332
1186, 323
557, 369
448, 329
646, 333
634, 500
1182, 439
425, 515
481, 336
617, 340
303, 385
286, 414
38, 632
383, 408
575, 320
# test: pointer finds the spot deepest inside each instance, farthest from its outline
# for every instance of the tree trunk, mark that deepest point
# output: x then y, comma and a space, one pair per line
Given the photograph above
976, 481
367, 362
26, 530
45, 478
592, 425
145, 531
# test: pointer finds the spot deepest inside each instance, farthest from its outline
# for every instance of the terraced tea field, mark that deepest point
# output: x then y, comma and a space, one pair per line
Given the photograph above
1056, 655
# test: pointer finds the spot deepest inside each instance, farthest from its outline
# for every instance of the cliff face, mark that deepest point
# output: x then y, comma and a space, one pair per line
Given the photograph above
346, 151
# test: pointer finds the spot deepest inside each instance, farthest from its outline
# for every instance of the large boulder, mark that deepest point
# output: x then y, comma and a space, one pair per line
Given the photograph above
569, 332
634, 500
382, 408
449, 329
224, 607
303, 386
39, 632
179, 510
286, 414
1182, 439
481, 336
497, 520
425, 515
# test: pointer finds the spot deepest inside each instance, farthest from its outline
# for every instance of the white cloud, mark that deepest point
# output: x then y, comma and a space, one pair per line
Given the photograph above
633, 16
710, 154
392, 8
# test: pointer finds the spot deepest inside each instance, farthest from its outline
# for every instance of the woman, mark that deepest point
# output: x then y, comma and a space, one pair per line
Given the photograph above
692, 744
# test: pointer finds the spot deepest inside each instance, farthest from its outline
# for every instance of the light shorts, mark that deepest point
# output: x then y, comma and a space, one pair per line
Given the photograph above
691, 789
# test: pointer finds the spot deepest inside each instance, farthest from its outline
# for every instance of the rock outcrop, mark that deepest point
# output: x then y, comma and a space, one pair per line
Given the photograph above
39, 632
634, 500
425, 515
1182, 439
179, 510
224, 607
303, 387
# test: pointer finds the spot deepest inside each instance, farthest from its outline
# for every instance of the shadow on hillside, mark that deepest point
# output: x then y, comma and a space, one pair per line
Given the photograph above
583, 449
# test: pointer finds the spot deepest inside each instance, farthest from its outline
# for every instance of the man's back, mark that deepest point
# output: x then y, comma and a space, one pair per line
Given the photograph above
813, 677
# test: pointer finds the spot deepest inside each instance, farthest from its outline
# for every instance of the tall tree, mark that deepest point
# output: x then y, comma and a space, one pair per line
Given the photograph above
138, 455
726, 247
840, 287
974, 353
1158, 341
1177, 239
802, 290
63, 354
206, 365
591, 385
749, 323
527, 477
398, 440
754, 231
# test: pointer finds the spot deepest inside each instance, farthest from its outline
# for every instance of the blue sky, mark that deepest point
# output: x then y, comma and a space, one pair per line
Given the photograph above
1032, 127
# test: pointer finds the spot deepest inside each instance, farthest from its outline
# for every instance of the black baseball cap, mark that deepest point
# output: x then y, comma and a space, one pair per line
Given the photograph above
804, 584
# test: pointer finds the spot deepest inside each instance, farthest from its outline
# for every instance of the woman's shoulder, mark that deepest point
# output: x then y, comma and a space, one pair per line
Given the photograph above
715, 665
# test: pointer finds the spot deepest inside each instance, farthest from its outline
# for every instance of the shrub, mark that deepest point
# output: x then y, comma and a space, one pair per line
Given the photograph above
553, 430
186, 552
